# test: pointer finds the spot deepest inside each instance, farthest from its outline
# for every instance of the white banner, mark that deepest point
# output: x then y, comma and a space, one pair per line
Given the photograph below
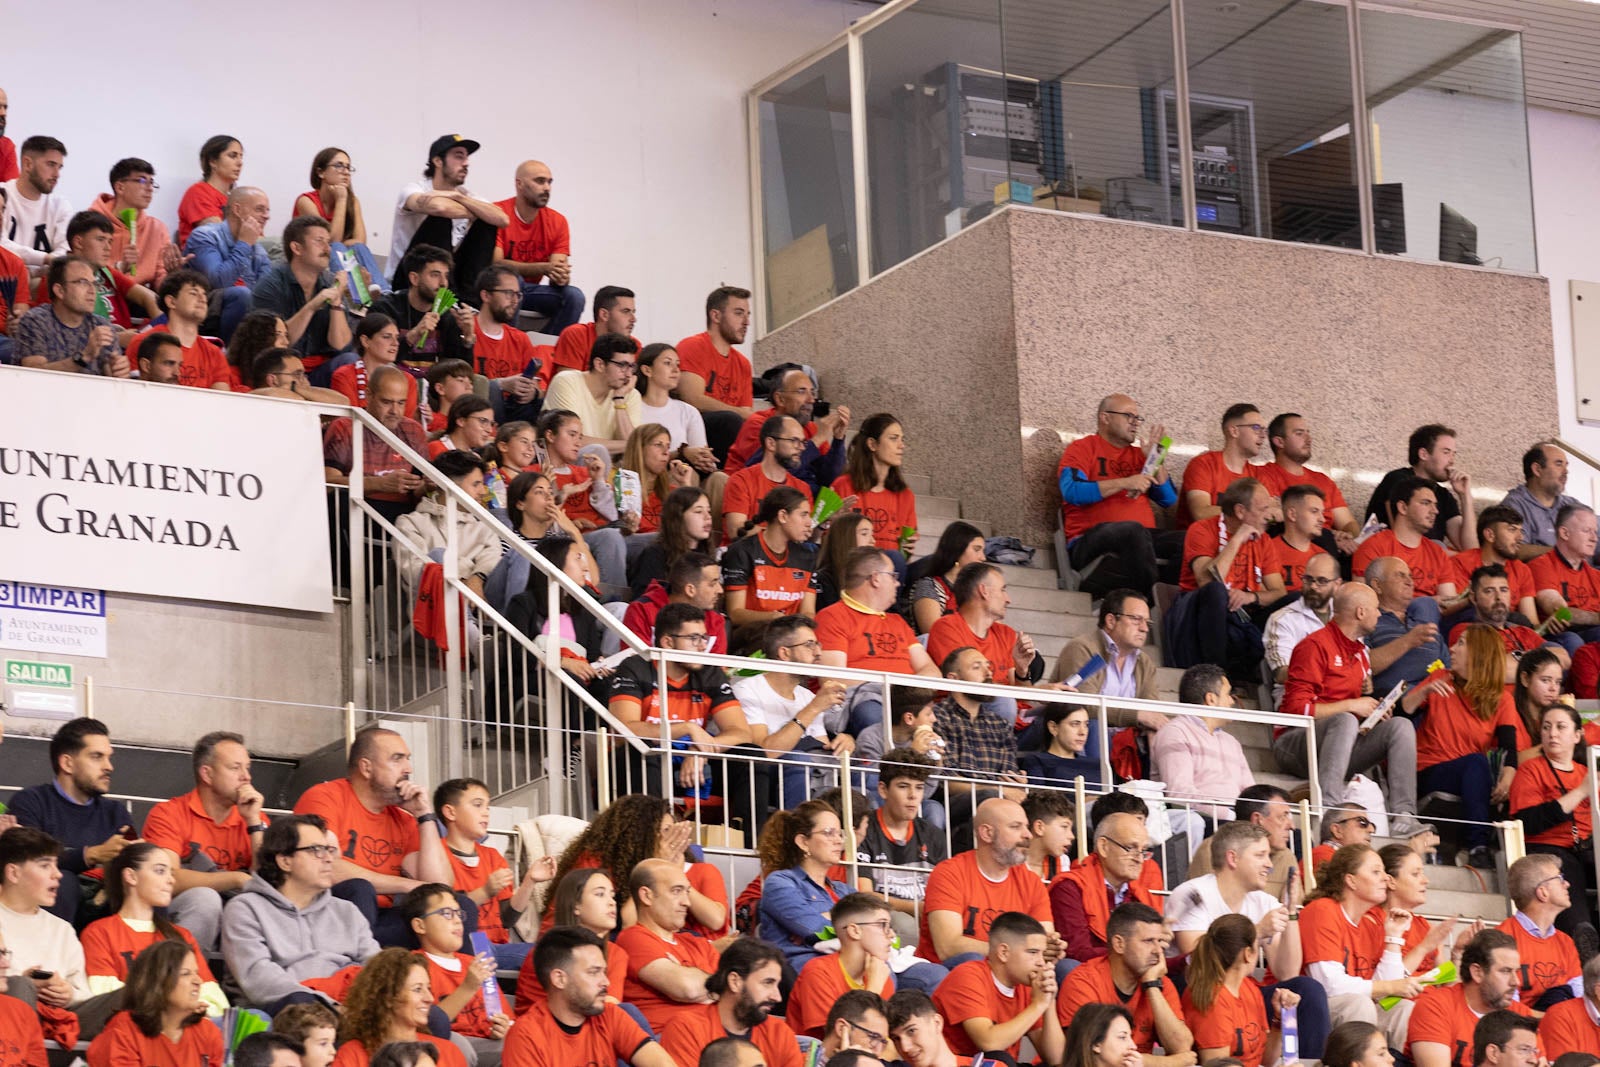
46, 619
161, 490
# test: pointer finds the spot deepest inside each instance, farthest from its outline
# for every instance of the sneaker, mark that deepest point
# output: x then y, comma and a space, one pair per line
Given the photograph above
1481, 858
1587, 938
1404, 826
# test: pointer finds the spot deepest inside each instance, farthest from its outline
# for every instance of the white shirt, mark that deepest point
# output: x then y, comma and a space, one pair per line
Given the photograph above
763, 706
681, 421
1286, 628
33, 229
42, 940
407, 223
1197, 903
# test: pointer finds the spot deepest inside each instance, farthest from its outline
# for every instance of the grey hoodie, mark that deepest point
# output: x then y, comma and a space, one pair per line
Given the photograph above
270, 944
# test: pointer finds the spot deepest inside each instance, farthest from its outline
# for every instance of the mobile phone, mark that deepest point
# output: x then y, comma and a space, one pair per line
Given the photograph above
41, 975
129, 833
821, 409
532, 369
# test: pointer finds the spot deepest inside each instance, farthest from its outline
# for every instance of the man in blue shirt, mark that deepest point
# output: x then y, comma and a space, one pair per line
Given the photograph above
230, 255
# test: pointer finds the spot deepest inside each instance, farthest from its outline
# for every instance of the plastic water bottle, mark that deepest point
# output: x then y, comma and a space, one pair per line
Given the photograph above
1291, 1036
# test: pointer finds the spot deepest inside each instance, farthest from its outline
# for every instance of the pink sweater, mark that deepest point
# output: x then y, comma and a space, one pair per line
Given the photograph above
153, 237
1198, 763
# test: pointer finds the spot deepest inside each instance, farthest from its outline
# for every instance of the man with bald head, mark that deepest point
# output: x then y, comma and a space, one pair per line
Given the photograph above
1082, 900
970, 890
1330, 681
822, 459
1408, 636
1105, 504
537, 243
230, 255
667, 969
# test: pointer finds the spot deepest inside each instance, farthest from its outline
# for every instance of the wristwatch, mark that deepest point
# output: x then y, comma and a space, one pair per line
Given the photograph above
1151, 985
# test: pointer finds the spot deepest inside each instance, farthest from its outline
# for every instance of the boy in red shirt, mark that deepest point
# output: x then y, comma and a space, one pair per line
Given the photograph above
456, 979
1302, 525
183, 297
996, 1001
481, 871
862, 922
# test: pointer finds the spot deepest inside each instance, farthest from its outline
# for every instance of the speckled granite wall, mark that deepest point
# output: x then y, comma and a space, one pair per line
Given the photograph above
1029, 318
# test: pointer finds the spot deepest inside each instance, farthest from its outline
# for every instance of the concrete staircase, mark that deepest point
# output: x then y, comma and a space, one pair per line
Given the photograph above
1052, 616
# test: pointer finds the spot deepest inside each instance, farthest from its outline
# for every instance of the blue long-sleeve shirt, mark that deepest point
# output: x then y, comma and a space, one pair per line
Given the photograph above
77, 826
793, 910
1077, 490
224, 259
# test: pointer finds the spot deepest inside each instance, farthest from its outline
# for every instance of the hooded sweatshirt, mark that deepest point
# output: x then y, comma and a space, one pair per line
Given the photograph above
641, 619
153, 237
270, 944
477, 542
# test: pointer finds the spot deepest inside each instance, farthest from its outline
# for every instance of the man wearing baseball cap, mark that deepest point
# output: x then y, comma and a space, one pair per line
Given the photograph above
439, 211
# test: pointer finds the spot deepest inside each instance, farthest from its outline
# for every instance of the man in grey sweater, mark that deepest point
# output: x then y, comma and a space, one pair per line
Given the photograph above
286, 938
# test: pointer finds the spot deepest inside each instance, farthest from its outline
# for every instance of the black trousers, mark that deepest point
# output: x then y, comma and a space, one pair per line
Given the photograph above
472, 255
1131, 557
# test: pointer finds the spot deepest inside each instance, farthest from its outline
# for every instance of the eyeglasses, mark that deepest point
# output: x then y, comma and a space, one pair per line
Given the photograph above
1554, 878
505, 292
696, 640
1145, 852
624, 364
884, 923
1130, 416
878, 574
1527, 1052
347, 168
791, 440
870, 1038
813, 644
450, 914
481, 420
1306, 579
319, 851
829, 834
150, 183
1137, 620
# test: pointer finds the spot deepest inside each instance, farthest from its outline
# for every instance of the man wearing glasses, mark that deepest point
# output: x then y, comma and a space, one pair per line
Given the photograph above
1348, 825
857, 1023
1550, 970
286, 937
1105, 504
1300, 618
603, 397
782, 441
144, 249
503, 353
1082, 899
66, 334
1208, 474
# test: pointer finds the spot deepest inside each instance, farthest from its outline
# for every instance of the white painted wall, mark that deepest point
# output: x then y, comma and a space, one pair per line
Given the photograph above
637, 105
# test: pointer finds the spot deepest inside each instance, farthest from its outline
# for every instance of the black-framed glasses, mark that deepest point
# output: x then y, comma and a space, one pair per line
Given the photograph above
319, 851
1306, 579
1129, 415
624, 364
506, 292
885, 924
697, 640
1137, 620
791, 440
347, 168
445, 913
1145, 851
813, 644
870, 1037
149, 183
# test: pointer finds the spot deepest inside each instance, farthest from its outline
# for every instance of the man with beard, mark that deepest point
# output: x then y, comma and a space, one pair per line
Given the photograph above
1134, 974
745, 984
1540, 498
603, 397
1289, 436
1300, 618
389, 838
389, 483
1431, 452
822, 459
782, 440
183, 297
575, 1024
716, 376
503, 353
1499, 541
73, 809
1009, 994
33, 225
1440, 1034
425, 337
439, 211
1490, 590
308, 298
536, 242
215, 830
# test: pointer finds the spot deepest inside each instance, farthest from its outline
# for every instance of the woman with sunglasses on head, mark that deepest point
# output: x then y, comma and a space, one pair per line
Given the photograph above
1550, 798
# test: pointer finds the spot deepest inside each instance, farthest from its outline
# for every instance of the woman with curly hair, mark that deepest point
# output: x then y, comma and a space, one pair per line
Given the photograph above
162, 1017
635, 828
389, 1001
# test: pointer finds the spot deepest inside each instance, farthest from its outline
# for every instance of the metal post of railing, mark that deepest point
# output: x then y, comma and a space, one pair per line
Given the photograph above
88, 696
662, 691
356, 569
1514, 843
349, 725
455, 625
1080, 811
1308, 871
1105, 742
1312, 774
848, 821
1594, 806
602, 768
556, 741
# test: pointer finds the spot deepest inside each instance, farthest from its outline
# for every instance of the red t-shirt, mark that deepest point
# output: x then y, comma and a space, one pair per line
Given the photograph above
182, 827
953, 631
11, 267
578, 506
1462, 564
538, 1040
1208, 474
890, 512
1579, 586
350, 381
1098, 460
971, 991
1292, 562
1538, 782
1235, 1024
822, 982
696, 1027
747, 488
123, 1044
1327, 936
708, 882
467, 877
1568, 1028
1443, 1017
1091, 984
1430, 564
21, 1038
872, 641
1515, 638
377, 841
201, 201
204, 365
572, 351
644, 948
1276, 479
530, 990
505, 356
727, 378
110, 945
958, 885
471, 1020
1451, 729
533, 242
1254, 561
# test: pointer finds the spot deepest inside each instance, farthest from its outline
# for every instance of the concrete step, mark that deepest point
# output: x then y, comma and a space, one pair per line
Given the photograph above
937, 506
1035, 598
929, 527
1492, 908
1033, 577
919, 484
1050, 645
1040, 623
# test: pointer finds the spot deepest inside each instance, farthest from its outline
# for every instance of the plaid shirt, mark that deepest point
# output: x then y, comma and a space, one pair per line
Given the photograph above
983, 746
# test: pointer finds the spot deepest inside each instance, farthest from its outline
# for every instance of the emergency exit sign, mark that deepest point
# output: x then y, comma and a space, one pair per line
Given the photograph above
44, 675
40, 690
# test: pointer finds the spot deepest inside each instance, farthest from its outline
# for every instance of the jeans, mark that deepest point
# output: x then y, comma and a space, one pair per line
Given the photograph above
1469, 778
1311, 1016
1572, 640
1135, 557
1341, 752
510, 956
199, 911
1413, 666
561, 304
610, 555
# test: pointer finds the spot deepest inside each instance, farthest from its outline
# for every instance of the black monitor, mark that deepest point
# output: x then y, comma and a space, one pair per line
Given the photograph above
1332, 216
1458, 238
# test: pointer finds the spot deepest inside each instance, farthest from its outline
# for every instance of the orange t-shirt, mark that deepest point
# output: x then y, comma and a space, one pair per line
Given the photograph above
1462, 564
21, 1038
505, 356
1208, 474
204, 365
471, 1020
1430, 565
529, 988
578, 506
182, 827
1255, 560
377, 841
535, 241
1414, 935
1235, 1024
872, 641
1579, 586
350, 381
1546, 961
1098, 460
696, 1027
572, 351
354, 1053
1442, 1017
952, 631
110, 945
822, 982
1568, 1028
538, 1040
644, 948
1292, 562
1451, 730
1537, 782
123, 1044
889, 512
467, 877
1327, 936
958, 885
1276, 479
1091, 983
771, 582
748, 487
727, 378
201, 201
971, 991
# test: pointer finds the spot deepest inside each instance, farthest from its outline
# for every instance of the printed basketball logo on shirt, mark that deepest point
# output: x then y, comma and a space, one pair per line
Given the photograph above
882, 643
375, 852
1248, 1036
1545, 972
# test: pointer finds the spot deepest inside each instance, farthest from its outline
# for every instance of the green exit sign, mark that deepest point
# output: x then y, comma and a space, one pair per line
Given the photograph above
43, 675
